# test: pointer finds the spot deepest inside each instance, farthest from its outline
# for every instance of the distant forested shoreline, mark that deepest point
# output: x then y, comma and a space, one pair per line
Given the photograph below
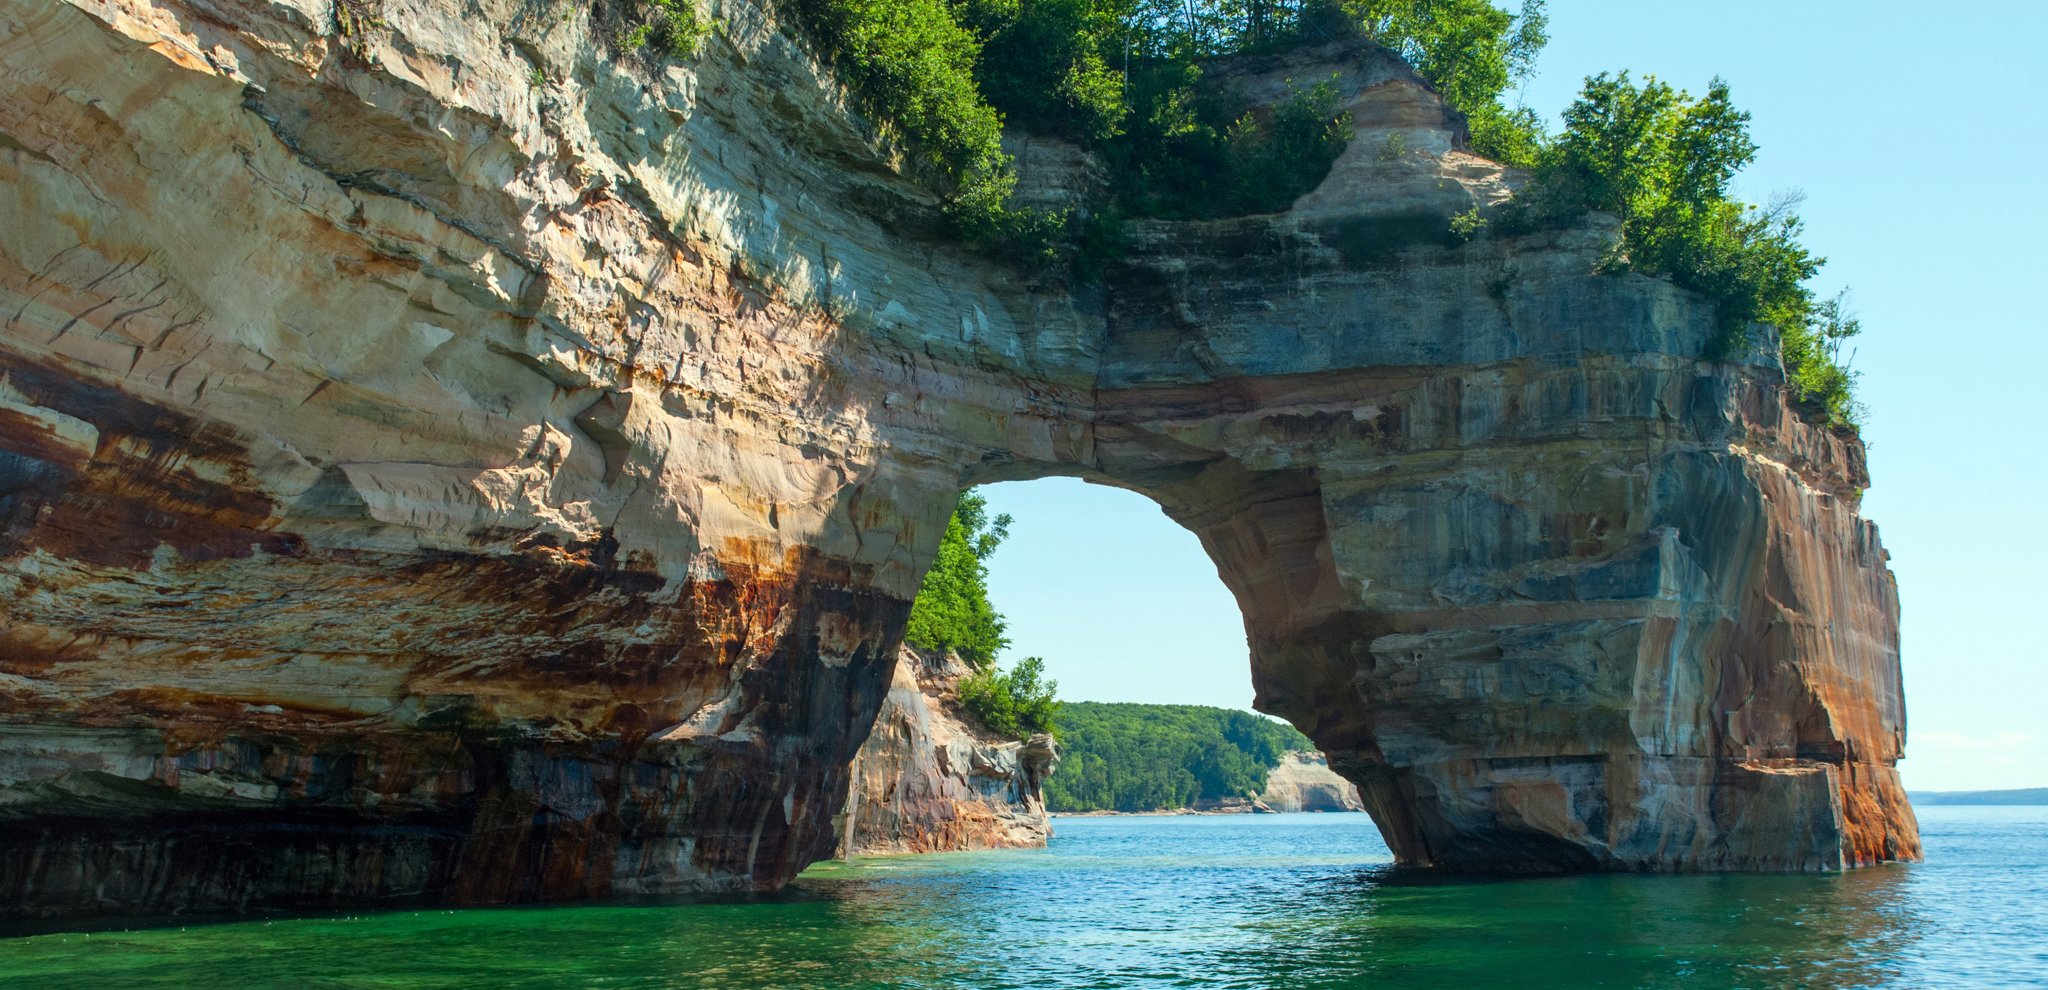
1133, 757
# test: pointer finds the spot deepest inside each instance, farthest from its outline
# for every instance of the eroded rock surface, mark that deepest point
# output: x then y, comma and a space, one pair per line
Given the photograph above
928, 780
1305, 782
453, 462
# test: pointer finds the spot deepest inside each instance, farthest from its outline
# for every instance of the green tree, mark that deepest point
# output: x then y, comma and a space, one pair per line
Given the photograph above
1814, 364
1125, 77
1662, 160
911, 63
952, 610
1649, 153
1471, 51
952, 613
1055, 65
1015, 702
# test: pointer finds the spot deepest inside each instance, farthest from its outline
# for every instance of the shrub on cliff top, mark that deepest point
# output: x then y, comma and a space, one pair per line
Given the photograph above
1122, 77
1471, 51
672, 27
1661, 161
913, 63
1015, 702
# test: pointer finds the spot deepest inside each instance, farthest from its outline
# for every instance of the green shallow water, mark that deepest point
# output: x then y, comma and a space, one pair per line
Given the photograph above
1240, 901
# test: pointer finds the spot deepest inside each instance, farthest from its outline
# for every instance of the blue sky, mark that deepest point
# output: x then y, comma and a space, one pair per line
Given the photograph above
1920, 143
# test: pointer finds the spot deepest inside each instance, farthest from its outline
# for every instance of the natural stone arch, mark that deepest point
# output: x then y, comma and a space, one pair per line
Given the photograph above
421, 484
1516, 639
1527, 698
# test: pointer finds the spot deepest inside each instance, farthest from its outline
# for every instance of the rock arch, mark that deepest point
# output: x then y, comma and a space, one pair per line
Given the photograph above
454, 465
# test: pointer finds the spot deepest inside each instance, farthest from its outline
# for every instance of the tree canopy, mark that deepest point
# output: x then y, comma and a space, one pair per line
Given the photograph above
1123, 77
1015, 702
1127, 757
952, 610
1662, 160
952, 613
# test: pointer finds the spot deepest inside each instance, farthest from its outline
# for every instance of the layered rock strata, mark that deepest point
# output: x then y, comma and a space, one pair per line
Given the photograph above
1305, 782
445, 459
929, 779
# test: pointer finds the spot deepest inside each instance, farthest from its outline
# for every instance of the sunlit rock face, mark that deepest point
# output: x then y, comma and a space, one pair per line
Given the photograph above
930, 779
1305, 782
451, 462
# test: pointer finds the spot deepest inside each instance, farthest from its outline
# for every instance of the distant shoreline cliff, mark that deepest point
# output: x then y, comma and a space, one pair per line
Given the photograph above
1302, 782
930, 779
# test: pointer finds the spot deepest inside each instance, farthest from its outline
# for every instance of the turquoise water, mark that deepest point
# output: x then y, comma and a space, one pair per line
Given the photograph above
1239, 901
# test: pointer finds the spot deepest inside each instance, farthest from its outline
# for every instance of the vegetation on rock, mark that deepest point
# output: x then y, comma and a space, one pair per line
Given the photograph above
1015, 702
1127, 757
675, 27
1123, 77
912, 63
1661, 161
1471, 51
952, 613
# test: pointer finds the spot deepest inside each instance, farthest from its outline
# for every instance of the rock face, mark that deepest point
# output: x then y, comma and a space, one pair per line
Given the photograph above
1305, 782
448, 461
927, 781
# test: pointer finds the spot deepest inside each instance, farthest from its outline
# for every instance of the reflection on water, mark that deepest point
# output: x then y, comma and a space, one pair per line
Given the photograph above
1615, 931
1266, 901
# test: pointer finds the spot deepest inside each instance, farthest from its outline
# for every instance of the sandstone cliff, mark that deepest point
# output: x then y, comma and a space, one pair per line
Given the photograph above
1305, 782
449, 462
928, 780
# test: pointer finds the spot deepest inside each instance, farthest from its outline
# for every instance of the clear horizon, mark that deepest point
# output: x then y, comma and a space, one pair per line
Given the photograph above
1911, 147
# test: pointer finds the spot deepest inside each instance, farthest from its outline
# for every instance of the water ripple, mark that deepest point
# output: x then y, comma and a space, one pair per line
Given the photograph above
1241, 902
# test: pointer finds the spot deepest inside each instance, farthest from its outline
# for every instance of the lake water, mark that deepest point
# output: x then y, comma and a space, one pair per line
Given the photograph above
1238, 901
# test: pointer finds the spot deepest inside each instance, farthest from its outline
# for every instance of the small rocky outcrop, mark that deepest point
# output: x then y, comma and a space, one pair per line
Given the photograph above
929, 779
1305, 782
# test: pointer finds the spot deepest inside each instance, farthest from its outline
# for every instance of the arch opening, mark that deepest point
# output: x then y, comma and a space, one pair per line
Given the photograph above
1517, 651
